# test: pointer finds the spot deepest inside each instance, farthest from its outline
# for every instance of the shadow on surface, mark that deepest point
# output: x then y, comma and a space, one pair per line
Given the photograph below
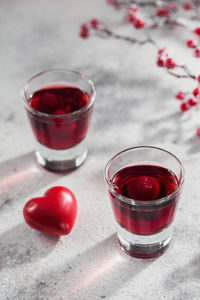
21, 245
182, 278
160, 129
194, 143
121, 98
186, 271
98, 272
127, 112
22, 176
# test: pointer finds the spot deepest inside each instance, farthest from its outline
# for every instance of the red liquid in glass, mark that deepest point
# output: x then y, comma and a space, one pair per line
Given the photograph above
57, 131
143, 182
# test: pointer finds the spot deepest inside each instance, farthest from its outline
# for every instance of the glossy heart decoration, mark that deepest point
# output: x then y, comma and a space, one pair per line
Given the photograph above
54, 213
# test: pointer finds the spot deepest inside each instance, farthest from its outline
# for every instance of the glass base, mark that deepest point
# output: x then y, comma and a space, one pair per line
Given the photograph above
61, 160
144, 246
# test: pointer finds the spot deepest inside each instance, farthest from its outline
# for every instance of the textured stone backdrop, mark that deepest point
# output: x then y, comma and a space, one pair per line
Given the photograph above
134, 105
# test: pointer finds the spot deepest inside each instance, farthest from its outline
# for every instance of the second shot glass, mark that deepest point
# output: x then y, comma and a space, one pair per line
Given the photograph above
59, 105
144, 185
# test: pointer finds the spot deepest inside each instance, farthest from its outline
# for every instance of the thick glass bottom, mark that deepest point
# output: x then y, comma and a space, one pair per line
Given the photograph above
144, 246
61, 160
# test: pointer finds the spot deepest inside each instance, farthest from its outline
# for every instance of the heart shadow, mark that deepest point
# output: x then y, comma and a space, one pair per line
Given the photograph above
21, 245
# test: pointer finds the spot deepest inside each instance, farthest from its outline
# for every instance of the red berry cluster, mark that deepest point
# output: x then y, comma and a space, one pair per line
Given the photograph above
162, 12
187, 6
165, 61
164, 9
172, 6
192, 101
86, 27
165, 12
193, 44
133, 19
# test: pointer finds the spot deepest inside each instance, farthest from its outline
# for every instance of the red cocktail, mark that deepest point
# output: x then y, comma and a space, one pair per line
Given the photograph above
144, 182
59, 105
144, 186
64, 131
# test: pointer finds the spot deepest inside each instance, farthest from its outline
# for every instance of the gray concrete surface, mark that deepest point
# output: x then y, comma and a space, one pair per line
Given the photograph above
134, 106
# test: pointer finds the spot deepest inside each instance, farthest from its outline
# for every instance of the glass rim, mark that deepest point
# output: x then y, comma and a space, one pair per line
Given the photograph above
146, 202
25, 97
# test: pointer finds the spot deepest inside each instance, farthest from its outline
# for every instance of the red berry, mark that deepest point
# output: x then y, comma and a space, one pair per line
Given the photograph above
197, 31
139, 23
162, 12
173, 6
187, 5
94, 23
191, 44
84, 26
192, 102
131, 18
180, 95
184, 106
198, 78
198, 132
143, 188
59, 112
160, 62
161, 51
196, 92
197, 52
170, 63
84, 32
133, 9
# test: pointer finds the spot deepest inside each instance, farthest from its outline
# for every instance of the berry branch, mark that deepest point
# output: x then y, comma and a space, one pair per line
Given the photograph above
160, 13
187, 72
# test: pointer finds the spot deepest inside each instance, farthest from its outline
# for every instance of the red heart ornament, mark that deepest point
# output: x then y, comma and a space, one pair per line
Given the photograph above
54, 213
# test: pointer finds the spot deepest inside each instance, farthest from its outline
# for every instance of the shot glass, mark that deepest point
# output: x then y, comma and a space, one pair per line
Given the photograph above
59, 105
144, 185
